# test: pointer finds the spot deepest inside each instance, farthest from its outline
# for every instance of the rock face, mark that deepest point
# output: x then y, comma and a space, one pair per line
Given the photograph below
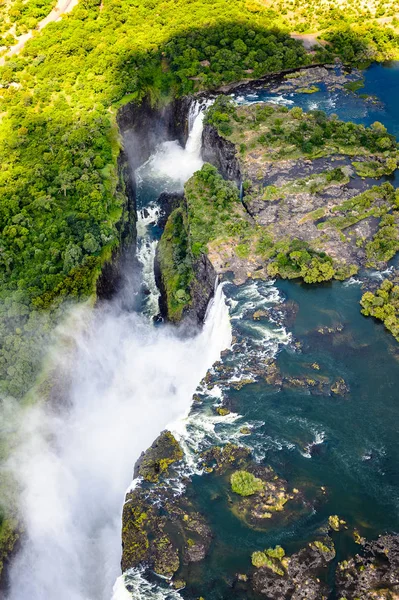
142, 128
122, 260
167, 202
374, 574
160, 530
202, 288
221, 153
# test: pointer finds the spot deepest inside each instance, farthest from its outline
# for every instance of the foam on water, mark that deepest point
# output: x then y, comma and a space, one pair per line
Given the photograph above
171, 164
133, 585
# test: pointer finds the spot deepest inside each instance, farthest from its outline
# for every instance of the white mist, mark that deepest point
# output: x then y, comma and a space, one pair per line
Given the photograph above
130, 380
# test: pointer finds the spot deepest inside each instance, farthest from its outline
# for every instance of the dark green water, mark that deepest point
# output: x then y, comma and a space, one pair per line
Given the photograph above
347, 444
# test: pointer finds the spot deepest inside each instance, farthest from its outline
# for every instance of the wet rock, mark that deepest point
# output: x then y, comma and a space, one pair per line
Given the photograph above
336, 523
340, 387
222, 411
224, 457
157, 459
167, 202
372, 575
161, 531
221, 153
296, 577
245, 430
269, 497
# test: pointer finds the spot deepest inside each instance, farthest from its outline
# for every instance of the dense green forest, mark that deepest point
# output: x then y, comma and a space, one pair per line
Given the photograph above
60, 200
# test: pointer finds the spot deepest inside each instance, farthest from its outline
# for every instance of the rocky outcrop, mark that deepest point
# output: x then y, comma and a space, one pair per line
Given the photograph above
374, 574
156, 460
167, 203
202, 288
122, 262
296, 577
221, 153
161, 530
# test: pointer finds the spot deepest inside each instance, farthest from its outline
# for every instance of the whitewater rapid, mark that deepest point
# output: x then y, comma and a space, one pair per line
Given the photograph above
129, 381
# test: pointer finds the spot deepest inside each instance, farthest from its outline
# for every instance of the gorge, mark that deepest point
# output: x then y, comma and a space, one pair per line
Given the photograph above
303, 368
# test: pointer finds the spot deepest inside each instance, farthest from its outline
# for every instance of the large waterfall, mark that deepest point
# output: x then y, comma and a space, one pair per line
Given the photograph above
129, 381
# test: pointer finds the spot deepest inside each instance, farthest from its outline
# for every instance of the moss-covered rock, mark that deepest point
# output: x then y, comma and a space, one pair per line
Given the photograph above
157, 459
372, 574
297, 576
336, 523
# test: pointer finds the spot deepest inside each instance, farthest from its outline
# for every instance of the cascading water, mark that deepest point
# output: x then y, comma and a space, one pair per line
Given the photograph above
167, 169
129, 381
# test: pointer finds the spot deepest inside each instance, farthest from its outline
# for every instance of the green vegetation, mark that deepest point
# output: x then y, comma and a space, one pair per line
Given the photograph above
270, 558
18, 17
213, 208
312, 184
8, 537
335, 522
357, 31
296, 259
375, 202
384, 305
375, 169
63, 203
385, 243
281, 133
245, 484
175, 261
308, 90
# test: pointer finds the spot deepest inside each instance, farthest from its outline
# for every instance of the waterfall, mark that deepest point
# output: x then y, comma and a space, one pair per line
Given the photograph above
168, 168
171, 164
128, 382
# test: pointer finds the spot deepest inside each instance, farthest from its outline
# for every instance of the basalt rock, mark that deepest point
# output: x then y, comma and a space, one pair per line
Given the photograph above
221, 153
373, 574
157, 459
122, 262
167, 202
297, 577
162, 532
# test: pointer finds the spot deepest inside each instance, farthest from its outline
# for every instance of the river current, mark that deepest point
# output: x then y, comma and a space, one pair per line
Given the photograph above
133, 379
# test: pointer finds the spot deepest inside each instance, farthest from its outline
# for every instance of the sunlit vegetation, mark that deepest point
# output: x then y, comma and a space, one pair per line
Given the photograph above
62, 200
175, 261
60, 191
20, 16
364, 30
284, 133
384, 305
245, 483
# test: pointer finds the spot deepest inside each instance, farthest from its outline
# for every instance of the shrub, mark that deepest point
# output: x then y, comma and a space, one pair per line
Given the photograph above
245, 484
